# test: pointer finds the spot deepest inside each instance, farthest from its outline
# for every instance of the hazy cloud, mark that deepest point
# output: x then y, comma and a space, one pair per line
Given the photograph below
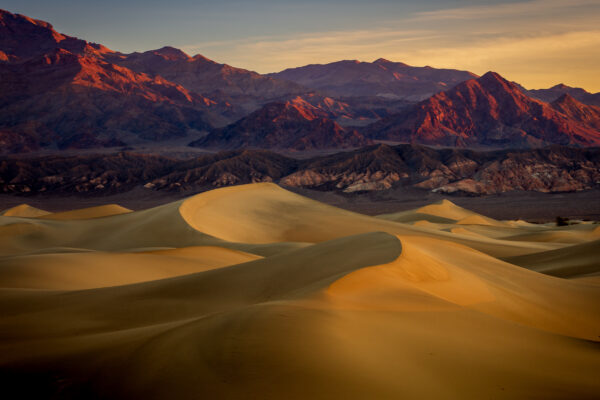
537, 43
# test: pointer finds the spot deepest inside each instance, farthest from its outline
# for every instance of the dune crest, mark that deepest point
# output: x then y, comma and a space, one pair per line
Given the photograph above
256, 290
25, 211
89, 213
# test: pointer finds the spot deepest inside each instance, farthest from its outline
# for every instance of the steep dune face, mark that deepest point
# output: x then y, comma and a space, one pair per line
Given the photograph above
265, 213
92, 269
257, 214
574, 261
253, 289
24, 210
88, 213
446, 209
443, 212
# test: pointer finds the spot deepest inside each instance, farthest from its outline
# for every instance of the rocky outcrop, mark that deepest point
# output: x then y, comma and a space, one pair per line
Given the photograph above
577, 111
60, 92
484, 112
243, 90
374, 168
293, 125
56, 90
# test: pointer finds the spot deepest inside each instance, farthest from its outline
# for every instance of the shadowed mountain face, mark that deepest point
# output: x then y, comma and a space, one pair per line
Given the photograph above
380, 167
555, 92
22, 38
245, 89
380, 78
60, 91
292, 125
585, 114
488, 111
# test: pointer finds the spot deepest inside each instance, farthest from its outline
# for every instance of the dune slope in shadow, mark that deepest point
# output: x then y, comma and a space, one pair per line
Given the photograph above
256, 292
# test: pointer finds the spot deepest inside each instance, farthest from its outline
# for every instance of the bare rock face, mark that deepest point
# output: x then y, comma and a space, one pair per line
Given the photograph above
290, 125
59, 90
63, 98
489, 112
553, 169
225, 169
202, 75
22, 38
576, 110
374, 168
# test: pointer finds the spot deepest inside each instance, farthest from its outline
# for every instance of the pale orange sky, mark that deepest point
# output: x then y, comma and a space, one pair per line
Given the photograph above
537, 43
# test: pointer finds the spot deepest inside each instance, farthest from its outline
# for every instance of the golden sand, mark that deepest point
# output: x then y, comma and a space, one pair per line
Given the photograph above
255, 292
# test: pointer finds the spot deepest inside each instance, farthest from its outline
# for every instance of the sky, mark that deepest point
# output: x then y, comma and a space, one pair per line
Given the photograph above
538, 43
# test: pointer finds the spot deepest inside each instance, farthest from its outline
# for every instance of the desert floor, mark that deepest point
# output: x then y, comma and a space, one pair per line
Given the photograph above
584, 205
255, 292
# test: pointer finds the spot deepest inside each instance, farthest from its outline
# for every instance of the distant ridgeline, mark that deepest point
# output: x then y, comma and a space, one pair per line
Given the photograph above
60, 92
377, 167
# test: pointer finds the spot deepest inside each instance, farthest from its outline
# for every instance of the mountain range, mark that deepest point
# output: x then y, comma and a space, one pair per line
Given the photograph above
306, 127
60, 92
370, 168
380, 78
490, 111
553, 93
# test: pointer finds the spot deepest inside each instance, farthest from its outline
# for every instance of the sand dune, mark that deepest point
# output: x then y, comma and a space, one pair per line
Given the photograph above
255, 292
86, 270
446, 209
24, 210
573, 261
235, 217
584, 234
88, 213
265, 213
441, 212
480, 220
414, 216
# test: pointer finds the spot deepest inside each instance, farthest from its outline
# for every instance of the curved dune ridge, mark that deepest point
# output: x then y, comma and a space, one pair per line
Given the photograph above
255, 292
88, 213
446, 209
24, 210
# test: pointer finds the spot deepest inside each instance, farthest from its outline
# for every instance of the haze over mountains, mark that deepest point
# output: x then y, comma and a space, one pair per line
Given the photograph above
58, 91
553, 93
380, 78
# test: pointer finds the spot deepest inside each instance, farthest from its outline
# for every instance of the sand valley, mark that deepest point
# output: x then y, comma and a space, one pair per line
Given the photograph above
256, 292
